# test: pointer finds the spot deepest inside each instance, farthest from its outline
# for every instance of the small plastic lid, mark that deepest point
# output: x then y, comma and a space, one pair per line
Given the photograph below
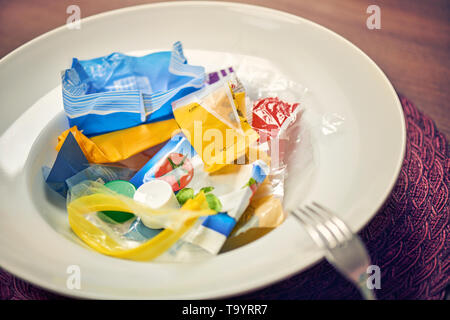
124, 188
157, 194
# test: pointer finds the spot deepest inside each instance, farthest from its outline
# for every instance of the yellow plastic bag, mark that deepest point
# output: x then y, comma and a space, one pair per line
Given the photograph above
89, 197
210, 120
122, 144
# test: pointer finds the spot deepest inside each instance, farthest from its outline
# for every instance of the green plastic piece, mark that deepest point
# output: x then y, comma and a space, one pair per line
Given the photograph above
124, 188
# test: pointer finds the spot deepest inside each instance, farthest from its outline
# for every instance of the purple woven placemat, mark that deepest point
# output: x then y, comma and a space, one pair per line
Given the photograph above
407, 239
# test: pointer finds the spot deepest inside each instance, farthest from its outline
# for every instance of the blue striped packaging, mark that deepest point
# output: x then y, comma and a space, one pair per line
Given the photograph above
119, 91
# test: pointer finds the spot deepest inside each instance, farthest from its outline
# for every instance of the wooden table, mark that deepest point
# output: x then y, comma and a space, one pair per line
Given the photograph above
412, 46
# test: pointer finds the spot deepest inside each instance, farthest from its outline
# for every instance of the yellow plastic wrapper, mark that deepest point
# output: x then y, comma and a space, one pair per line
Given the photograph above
210, 120
239, 98
122, 144
90, 197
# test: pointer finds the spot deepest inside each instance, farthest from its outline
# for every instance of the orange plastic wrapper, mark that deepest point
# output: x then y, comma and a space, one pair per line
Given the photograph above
122, 144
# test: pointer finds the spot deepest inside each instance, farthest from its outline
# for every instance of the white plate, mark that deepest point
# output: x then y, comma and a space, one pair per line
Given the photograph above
355, 172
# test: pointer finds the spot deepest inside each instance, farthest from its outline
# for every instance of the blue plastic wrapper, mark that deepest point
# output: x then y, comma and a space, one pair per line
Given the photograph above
69, 161
118, 91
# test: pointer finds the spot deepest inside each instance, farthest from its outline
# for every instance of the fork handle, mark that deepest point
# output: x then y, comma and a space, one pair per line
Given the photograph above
366, 293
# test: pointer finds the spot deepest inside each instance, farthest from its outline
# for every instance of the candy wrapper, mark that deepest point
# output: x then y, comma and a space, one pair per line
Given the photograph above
119, 91
275, 108
88, 198
272, 116
228, 190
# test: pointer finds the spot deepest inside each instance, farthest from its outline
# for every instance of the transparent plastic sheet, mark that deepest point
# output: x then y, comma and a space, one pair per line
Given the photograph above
280, 145
313, 128
102, 174
277, 105
235, 85
88, 198
266, 210
288, 134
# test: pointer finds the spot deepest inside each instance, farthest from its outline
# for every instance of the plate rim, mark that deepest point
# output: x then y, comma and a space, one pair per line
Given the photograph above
250, 288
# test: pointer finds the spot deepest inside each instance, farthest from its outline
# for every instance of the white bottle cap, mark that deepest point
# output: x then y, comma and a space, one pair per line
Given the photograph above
157, 194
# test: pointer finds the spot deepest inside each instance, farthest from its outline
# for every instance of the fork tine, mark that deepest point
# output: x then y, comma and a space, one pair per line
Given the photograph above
329, 223
313, 232
343, 228
348, 256
327, 235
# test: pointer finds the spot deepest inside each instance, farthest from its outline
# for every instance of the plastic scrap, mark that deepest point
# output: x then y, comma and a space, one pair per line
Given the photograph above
119, 91
188, 166
210, 120
87, 198
69, 161
122, 144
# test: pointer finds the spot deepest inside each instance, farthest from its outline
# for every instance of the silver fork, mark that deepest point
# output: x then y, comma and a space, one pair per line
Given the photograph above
343, 249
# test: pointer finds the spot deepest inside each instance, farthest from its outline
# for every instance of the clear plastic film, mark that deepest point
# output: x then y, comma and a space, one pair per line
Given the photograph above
88, 198
282, 113
291, 152
100, 173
